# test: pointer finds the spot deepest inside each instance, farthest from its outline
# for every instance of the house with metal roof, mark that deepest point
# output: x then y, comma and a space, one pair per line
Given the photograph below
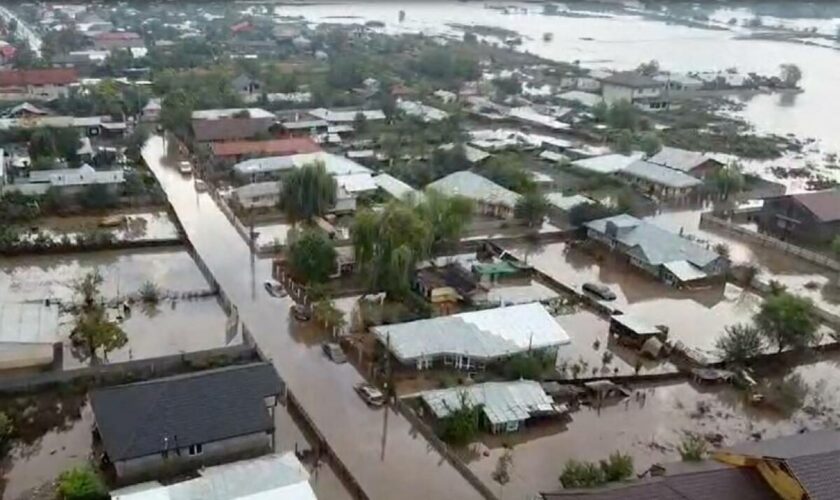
419, 110
695, 164
272, 476
185, 422
68, 181
659, 181
668, 256
606, 164
346, 115
804, 217
215, 114
396, 188
505, 406
471, 340
585, 99
489, 197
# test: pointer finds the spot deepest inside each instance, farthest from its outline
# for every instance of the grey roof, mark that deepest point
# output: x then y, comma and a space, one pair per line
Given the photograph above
818, 474
501, 401
582, 98
606, 164
215, 114
825, 205
335, 165
731, 483
484, 334
655, 245
631, 79
798, 445
145, 418
567, 203
635, 324
679, 159
658, 174
393, 186
475, 187
684, 271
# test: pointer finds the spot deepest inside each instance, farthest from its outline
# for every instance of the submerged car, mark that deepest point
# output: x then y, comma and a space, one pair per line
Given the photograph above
185, 167
334, 352
370, 394
275, 288
601, 291
301, 313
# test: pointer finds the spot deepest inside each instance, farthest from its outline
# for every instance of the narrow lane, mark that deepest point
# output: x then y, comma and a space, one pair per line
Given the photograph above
23, 29
379, 447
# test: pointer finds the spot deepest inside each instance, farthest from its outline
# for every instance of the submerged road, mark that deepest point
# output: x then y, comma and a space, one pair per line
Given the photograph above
379, 447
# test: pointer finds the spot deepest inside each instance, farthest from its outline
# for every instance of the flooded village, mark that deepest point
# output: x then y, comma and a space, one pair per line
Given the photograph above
531, 250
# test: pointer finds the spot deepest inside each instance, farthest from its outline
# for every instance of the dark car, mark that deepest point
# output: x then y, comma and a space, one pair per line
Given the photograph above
334, 352
601, 291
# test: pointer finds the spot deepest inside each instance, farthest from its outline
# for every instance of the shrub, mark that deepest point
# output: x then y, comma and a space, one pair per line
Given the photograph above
693, 447
150, 293
582, 475
81, 483
740, 343
618, 467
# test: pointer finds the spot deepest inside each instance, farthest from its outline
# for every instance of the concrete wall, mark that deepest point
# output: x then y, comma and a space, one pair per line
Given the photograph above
215, 452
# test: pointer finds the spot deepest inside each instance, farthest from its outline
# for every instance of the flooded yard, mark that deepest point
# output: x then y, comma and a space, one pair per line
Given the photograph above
35, 278
272, 233
650, 428
696, 317
125, 226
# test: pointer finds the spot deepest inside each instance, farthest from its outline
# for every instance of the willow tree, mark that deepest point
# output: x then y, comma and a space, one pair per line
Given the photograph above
447, 216
388, 246
308, 192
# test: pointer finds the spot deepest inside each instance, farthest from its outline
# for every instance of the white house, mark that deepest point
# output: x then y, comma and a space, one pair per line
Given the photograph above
68, 181
644, 92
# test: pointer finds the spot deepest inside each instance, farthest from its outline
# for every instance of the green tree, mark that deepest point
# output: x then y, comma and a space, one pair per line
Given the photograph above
740, 343
87, 288
790, 74
447, 216
787, 321
532, 208
729, 179
98, 197
135, 141
508, 86
650, 143
601, 111
649, 68
97, 332
311, 256
585, 212
308, 192
388, 245
508, 170
325, 311
360, 124
461, 426
81, 483
623, 115
176, 111
501, 474
624, 142
835, 246
55, 142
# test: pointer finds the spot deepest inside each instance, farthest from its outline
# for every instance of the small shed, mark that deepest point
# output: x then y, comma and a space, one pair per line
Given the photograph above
630, 330
605, 389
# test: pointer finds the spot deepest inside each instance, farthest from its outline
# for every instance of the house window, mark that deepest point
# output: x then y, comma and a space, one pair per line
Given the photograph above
195, 449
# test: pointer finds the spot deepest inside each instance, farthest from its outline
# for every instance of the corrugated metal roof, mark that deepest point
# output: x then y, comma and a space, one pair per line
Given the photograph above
606, 164
658, 174
475, 187
684, 271
679, 159
501, 402
486, 334
567, 203
580, 97
213, 114
395, 187
824, 204
655, 245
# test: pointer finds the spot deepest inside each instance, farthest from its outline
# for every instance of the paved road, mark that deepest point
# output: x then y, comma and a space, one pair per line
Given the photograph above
387, 458
23, 29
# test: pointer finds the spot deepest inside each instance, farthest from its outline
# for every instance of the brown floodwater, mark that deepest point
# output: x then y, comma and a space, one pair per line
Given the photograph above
650, 429
138, 226
35, 278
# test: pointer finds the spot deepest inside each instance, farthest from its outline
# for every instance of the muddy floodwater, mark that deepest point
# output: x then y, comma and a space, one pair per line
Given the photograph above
134, 226
650, 428
52, 276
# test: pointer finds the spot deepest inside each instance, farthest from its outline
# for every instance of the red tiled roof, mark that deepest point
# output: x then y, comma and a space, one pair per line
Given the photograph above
18, 78
825, 205
118, 35
277, 147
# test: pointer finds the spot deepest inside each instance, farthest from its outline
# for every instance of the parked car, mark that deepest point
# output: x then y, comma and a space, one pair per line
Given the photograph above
185, 167
301, 313
369, 393
275, 288
200, 186
601, 291
334, 352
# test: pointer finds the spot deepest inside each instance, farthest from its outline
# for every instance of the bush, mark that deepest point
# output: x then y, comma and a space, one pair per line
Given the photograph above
462, 425
582, 475
740, 343
150, 293
81, 483
525, 366
6, 429
618, 467
693, 447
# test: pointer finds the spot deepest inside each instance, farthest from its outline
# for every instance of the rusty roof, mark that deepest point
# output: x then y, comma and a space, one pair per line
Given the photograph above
20, 77
276, 147
229, 129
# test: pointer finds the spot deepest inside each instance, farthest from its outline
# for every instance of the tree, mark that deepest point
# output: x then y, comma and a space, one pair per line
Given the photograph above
585, 212
98, 197
650, 143
81, 483
790, 74
508, 170
150, 292
740, 343
623, 115
624, 142
723, 250
360, 124
55, 142
462, 424
7, 427
308, 192
835, 246
532, 207
97, 332
388, 245
508, 86
729, 179
501, 474
311, 256
693, 447
601, 111
135, 141
176, 111
649, 68
447, 216
88, 287
787, 321
327, 313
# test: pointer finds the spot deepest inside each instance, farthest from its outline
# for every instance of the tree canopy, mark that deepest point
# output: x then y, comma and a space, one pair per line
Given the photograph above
508, 170
308, 192
787, 321
311, 256
532, 208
